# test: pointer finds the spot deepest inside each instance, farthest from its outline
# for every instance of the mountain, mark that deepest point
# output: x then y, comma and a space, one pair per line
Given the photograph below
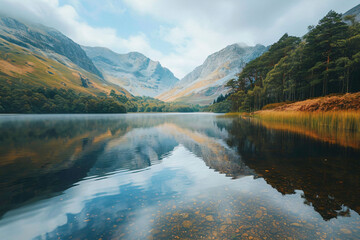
46, 41
354, 11
35, 55
207, 81
133, 71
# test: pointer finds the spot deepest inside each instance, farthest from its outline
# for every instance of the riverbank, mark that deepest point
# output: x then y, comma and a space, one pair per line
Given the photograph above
337, 112
345, 102
336, 127
341, 112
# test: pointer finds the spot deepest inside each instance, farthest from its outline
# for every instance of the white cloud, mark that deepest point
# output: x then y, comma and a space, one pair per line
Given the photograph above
206, 26
200, 27
66, 19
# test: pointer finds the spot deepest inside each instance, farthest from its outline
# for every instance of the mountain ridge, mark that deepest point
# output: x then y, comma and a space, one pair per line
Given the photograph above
33, 55
45, 41
354, 11
207, 81
134, 71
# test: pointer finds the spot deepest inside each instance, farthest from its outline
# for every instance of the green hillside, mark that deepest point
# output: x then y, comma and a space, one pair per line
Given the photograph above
21, 67
32, 83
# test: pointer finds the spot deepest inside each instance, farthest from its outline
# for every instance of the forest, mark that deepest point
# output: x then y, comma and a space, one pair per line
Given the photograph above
324, 61
19, 98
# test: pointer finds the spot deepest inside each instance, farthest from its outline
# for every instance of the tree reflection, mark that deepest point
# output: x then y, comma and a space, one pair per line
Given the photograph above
326, 173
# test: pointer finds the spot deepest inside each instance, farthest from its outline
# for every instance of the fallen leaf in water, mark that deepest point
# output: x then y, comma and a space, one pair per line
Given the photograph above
187, 224
209, 218
346, 231
258, 214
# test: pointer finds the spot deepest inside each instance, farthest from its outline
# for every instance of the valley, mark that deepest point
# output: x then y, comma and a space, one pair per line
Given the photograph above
36, 56
158, 119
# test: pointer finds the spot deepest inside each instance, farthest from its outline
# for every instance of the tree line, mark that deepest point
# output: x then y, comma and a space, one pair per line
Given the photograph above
324, 61
220, 104
19, 98
52, 100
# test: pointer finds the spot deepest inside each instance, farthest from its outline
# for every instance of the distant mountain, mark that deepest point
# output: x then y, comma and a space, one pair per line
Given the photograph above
45, 41
207, 82
354, 11
133, 71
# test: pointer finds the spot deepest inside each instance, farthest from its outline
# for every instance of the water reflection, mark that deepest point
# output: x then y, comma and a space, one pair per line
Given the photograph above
169, 176
326, 173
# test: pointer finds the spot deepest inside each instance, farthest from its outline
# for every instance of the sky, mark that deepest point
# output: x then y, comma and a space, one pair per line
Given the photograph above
180, 34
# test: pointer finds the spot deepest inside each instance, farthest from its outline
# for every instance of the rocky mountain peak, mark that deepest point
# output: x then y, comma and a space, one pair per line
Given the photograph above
133, 71
207, 81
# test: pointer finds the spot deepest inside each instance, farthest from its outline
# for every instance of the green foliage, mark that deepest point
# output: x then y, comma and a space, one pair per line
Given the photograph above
326, 60
221, 98
22, 98
14, 99
148, 104
62, 91
219, 107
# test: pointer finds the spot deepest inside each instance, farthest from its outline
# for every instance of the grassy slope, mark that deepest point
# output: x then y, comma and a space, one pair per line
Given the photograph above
349, 101
340, 112
23, 67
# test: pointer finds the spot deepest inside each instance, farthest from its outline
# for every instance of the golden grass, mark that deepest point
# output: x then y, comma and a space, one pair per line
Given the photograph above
338, 102
275, 105
333, 119
336, 127
341, 120
11, 69
238, 114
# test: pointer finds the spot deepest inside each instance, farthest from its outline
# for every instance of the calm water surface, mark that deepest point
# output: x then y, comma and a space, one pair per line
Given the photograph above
172, 176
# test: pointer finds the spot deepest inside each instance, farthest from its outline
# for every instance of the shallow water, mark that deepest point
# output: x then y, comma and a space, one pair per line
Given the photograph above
172, 176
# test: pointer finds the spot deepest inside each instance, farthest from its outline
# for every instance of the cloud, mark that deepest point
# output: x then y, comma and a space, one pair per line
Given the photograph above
193, 29
205, 26
66, 19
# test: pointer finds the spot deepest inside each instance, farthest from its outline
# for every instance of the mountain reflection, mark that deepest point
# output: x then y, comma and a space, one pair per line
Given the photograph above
43, 156
140, 176
326, 173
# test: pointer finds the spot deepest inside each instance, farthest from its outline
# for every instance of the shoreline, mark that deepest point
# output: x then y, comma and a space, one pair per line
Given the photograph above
341, 112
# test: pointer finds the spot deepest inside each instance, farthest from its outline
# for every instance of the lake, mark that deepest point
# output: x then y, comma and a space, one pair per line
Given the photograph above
173, 176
